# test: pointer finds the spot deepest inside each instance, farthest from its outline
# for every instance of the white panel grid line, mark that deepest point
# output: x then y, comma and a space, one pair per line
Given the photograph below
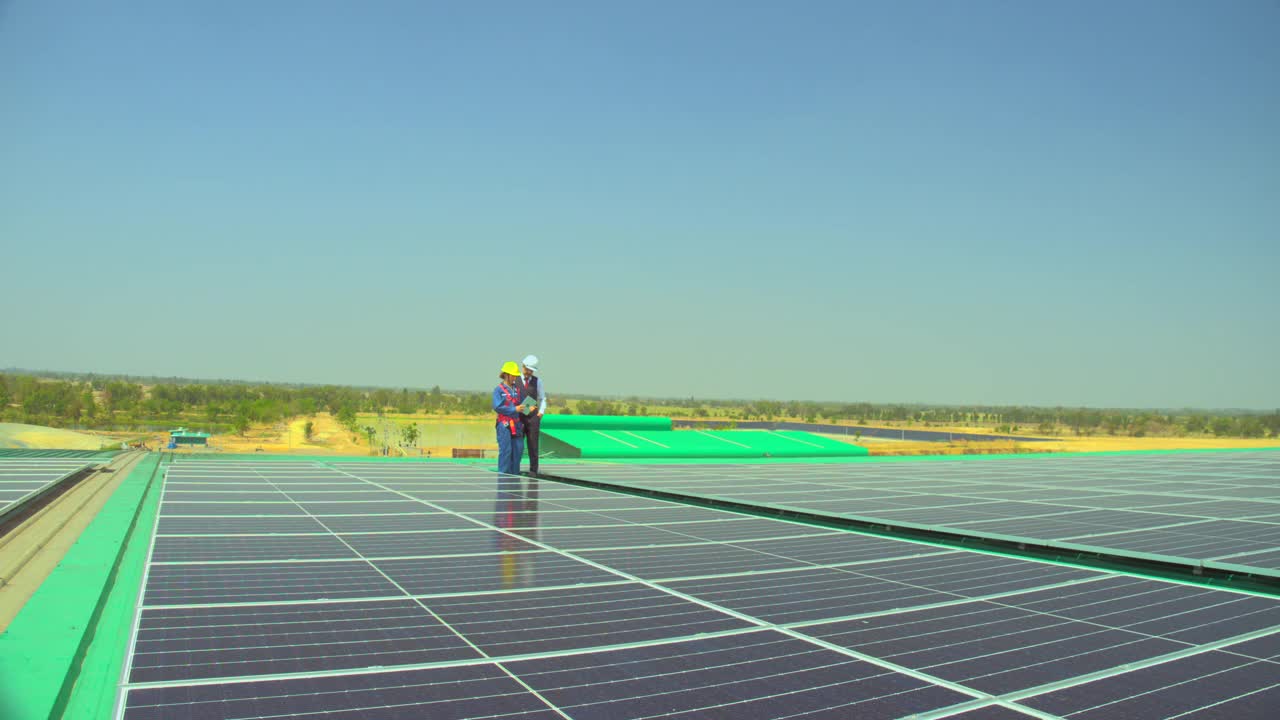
761, 623
127, 665
1087, 678
793, 630
749, 619
445, 623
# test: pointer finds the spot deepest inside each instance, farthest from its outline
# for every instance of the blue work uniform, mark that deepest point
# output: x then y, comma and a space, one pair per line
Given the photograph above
507, 425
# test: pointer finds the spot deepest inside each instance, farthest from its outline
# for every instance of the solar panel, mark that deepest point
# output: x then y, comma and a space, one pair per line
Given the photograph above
24, 477
539, 599
1219, 684
1110, 504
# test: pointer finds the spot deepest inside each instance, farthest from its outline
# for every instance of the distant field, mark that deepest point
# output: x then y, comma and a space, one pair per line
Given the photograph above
436, 431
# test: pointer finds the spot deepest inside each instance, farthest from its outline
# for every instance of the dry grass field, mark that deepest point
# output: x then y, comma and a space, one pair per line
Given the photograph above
328, 437
1086, 443
441, 434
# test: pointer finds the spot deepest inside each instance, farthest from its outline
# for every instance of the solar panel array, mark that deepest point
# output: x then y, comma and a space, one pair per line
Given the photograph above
367, 590
39, 453
21, 478
1216, 510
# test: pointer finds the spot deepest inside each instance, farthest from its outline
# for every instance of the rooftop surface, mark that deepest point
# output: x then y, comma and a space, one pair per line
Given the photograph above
284, 586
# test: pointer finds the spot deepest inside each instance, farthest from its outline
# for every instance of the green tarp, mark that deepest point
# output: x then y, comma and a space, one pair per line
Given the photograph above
590, 436
604, 422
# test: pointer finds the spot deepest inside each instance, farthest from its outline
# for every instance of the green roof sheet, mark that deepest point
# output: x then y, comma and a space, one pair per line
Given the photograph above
613, 442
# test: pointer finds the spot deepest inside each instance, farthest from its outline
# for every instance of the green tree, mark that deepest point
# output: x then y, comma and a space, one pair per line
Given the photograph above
308, 429
1221, 426
87, 405
1250, 427
410, 433
241, 423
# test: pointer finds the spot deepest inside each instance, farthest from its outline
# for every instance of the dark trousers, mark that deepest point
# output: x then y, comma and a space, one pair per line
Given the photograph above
532, 423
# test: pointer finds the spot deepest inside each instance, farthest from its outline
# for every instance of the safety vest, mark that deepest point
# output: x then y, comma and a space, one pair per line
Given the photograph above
503, 419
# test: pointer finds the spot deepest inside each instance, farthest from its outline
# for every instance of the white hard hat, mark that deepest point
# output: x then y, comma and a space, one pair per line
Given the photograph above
531, 362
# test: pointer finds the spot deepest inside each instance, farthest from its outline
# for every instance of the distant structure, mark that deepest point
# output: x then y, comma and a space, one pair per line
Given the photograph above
183, 436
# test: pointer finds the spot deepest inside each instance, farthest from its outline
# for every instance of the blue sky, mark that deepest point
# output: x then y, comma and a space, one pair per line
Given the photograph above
974, 202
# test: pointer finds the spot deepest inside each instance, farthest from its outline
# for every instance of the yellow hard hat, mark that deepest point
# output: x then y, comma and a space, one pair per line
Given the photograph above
510, 368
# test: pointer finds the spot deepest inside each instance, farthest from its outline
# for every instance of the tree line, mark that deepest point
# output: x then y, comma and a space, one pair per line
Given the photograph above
127, 404
99, 403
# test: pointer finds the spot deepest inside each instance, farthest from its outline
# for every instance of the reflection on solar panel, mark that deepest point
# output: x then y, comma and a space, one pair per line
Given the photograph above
24, 477
1212, 510
445, 591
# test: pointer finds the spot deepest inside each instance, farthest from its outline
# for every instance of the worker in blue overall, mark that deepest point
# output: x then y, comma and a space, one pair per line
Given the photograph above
531, 387
506, 401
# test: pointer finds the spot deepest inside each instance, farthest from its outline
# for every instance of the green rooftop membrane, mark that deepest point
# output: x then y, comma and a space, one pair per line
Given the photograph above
601, 437
605, 422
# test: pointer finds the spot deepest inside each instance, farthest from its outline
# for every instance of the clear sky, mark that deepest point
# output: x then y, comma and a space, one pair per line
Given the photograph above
1006, 202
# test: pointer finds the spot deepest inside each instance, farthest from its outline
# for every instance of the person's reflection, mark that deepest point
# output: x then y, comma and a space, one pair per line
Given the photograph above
516, 512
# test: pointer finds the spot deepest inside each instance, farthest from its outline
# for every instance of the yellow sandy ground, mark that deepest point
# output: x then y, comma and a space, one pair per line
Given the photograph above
1068, 445
18, 435
327, 438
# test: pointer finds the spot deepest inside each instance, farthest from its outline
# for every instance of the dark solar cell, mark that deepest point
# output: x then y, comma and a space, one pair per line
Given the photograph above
691, 560
356, 498
225, 495
265, 582
603, 646
321, 509
451, 693
1183, 540
718, 527
552, 518
1266, 647
839, 547
671, 513
253, 547
187, 643
610, 536
231, 508
20, 478
458, 542
992, 648
420, 520
756, 675
498, 571
576, 618
1206, 685
1179, 612
805, 595
972, 574
237, 525
1268, 560
1025, 498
